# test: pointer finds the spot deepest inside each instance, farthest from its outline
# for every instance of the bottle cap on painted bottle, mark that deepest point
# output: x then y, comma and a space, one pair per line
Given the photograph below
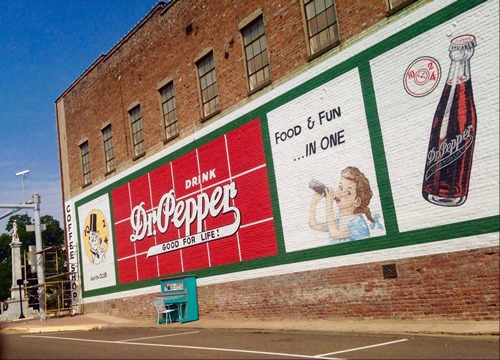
463, 42
462, 47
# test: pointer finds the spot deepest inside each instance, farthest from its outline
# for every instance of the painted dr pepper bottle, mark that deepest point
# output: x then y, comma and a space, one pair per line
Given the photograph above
451, 144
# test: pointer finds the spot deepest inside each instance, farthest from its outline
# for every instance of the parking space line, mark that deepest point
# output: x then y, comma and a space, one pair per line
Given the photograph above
160, 336
187, 347
362, 347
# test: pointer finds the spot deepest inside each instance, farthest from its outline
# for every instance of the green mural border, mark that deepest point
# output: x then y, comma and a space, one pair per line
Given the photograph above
393, 237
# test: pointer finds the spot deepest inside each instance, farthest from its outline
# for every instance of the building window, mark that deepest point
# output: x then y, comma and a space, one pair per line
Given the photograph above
257, 56
84, 150
322, 26
109, 155
169, 111
137, 135
208, 85
396, 5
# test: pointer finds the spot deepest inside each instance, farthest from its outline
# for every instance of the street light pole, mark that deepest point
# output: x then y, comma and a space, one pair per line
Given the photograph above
23, 174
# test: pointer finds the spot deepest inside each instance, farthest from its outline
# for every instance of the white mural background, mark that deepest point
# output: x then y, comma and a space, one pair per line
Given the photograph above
295, 166
102, 274
406, 120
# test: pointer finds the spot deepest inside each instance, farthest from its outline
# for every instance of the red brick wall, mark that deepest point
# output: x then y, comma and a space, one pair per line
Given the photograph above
161, 49
355, 16
438, 287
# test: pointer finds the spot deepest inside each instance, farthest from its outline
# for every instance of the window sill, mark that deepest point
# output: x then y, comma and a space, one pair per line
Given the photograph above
260, 87
211, 115
322, 51
106, 174
399, 7
166, 141
86, 185
138, 156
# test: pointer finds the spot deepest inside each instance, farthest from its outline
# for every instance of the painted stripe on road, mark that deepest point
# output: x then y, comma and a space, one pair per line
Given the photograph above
160, 336
186, 347
362, 348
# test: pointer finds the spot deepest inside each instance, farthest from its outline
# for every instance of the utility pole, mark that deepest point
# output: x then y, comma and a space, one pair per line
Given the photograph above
39, 257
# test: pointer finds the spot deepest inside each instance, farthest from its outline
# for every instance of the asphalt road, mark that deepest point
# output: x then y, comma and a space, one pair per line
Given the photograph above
134, 343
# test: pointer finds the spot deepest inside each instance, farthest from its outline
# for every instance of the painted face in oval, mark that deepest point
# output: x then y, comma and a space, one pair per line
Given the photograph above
94, 240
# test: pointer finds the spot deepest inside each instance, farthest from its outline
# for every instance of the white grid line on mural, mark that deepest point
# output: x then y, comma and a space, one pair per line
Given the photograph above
231, 179
178, 230
201, 191
135, 250
154, 236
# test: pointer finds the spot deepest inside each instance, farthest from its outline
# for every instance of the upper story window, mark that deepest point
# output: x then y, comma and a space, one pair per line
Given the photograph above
322, 28
169, 111
256, 53
137, 133
84, 151
208, 85
109, 155
396, 5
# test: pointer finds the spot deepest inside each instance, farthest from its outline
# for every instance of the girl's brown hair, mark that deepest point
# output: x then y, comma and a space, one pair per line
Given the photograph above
363, 190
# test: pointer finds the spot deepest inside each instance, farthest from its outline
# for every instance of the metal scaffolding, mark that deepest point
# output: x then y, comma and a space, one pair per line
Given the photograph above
58, 287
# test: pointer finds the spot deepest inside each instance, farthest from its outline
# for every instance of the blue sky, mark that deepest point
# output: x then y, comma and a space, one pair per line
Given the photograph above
44, 46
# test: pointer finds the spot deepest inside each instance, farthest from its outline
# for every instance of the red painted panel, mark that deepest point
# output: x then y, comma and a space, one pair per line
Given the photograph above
209, 207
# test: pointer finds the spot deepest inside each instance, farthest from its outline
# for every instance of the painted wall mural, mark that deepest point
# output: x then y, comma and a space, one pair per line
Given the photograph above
323, 136
197, 211
96, 234
451, 122
381, 150
207, 208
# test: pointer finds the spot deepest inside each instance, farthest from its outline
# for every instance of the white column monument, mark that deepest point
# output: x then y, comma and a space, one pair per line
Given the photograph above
14, 309
16, 244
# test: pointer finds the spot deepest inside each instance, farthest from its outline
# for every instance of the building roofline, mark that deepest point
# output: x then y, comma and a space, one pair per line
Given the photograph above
161, 6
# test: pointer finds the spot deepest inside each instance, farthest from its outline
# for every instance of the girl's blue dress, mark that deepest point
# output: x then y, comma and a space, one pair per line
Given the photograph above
355, 225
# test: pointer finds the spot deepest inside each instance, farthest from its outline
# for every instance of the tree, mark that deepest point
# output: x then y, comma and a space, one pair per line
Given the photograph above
53, 234
5, 266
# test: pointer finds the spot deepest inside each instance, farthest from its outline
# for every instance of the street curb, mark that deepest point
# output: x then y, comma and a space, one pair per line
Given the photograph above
48, 329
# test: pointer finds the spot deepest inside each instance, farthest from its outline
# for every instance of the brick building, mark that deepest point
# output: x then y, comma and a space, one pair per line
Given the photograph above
199, 144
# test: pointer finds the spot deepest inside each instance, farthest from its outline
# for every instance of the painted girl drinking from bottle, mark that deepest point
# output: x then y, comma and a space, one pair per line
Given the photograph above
352, 199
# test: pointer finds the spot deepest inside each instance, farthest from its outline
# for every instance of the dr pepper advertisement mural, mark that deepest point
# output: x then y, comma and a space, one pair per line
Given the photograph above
379, 151
209, 207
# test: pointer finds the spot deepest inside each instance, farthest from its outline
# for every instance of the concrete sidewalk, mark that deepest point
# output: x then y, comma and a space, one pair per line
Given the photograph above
100, 321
